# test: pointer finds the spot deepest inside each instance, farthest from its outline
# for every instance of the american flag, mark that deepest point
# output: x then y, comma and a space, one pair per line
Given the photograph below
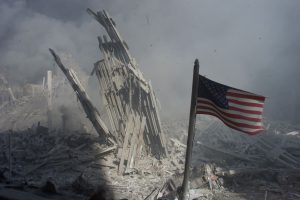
237, 109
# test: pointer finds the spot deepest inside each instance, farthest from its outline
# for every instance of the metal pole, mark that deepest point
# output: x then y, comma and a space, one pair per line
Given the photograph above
10, 156
49, 99
191, 133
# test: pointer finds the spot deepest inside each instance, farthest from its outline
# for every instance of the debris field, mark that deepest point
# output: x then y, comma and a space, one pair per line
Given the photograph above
59, 143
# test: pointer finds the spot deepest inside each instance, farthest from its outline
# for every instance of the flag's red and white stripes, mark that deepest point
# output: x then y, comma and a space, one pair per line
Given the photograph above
244, 112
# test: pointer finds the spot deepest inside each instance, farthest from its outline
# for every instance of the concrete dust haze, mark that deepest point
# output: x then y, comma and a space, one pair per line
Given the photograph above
250, 45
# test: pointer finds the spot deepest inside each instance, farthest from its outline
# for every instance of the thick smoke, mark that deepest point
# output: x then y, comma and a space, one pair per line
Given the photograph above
252, 45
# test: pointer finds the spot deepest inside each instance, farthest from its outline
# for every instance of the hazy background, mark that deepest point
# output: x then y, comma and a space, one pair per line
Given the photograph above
253, 45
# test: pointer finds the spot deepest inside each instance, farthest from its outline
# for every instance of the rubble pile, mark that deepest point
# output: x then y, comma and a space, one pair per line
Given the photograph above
226, 159
80, 163
277, 147
76, 160
49, 147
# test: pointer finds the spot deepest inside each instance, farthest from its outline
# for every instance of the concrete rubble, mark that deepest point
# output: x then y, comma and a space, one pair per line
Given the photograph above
58, 143
268, 162
226, 164
77, 162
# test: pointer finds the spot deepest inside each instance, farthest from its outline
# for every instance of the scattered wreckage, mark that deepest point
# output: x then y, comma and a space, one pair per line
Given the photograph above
131, 158
129, 99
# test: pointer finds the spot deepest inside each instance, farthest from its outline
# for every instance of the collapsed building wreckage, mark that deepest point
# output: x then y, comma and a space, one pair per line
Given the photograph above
39, 150
219, 153
6, 93
129, 99
131, 107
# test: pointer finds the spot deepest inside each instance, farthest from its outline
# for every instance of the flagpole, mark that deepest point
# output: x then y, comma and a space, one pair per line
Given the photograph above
191, 133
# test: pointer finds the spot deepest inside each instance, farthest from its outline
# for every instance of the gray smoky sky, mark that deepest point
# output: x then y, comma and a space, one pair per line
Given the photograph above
253, 45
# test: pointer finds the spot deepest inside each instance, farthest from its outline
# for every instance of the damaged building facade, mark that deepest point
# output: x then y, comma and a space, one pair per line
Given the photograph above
128, 97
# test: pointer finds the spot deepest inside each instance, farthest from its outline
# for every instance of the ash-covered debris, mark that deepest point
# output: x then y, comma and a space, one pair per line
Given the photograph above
231, 165
49, 149
51, 145
81, 163
225, 163
277, 147
266, 164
